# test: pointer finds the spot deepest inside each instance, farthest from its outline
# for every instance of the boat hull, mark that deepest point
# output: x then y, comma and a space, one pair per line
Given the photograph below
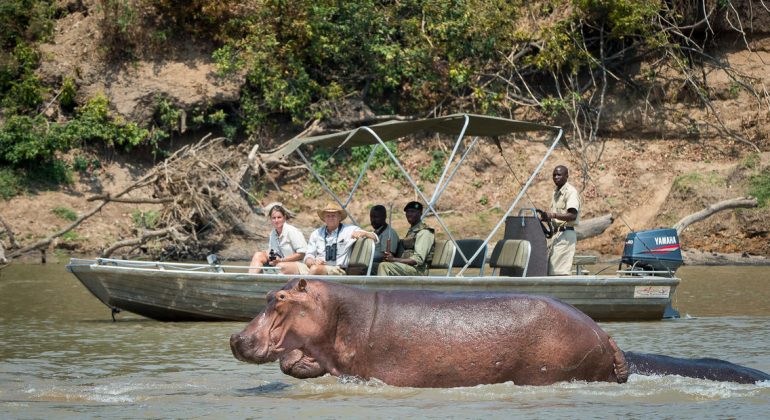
164, 292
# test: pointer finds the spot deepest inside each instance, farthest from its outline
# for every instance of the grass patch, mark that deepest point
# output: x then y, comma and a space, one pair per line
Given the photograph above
688, 183
145, 219
751, 161
65, 213
70, 236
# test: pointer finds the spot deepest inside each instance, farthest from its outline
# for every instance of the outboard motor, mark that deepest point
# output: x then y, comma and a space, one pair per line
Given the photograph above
653, 250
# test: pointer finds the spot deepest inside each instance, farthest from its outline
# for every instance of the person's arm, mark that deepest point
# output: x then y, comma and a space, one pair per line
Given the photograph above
569, 216
298, 244
423, 243
310, 253
393, 236
360, 233
573, 206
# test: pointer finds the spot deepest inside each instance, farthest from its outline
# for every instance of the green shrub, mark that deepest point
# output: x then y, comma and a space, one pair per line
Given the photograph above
68, 93
95, 123
10, 183
433, 170
28, 142
759, 187
84, 164
65, 213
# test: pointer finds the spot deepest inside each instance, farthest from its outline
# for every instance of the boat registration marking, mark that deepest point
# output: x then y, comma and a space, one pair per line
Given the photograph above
645, 292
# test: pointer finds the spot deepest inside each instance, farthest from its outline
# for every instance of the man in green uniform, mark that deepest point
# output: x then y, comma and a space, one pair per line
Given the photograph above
415, 251
564, 215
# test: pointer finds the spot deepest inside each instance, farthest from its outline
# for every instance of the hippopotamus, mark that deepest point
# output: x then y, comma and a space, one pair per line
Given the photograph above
442, 339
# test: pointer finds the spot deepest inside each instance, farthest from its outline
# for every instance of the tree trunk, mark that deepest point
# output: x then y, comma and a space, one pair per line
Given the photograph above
735, 203
593, 227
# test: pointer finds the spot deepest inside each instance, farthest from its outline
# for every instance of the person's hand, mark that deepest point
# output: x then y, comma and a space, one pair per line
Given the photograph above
387, 256
319, 261
360, 234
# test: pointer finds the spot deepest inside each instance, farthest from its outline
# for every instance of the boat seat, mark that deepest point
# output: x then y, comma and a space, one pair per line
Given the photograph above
361, 256
513, 254
469, 247
443, 255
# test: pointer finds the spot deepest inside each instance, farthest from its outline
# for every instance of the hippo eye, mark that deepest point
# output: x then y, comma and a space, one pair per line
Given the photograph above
281, 296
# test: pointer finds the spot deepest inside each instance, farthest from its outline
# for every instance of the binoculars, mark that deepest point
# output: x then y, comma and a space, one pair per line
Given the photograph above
331, 252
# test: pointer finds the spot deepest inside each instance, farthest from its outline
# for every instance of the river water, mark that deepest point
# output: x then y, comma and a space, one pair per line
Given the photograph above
61, 356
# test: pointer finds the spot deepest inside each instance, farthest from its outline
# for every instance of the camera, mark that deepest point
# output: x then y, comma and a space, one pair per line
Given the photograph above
272, 255
331, 252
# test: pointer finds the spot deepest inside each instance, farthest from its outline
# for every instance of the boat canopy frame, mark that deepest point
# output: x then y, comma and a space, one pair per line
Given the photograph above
461, 125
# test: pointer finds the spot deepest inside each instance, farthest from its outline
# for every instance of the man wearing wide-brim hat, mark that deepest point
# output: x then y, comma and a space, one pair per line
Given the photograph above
329, 247
415, 250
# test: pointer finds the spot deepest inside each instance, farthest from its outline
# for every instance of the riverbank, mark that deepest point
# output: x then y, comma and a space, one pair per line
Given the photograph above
653, 189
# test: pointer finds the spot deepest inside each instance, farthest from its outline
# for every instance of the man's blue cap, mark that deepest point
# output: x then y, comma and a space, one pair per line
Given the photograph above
413, 205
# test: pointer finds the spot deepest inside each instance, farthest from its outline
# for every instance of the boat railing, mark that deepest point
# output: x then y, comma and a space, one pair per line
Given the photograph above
177, 266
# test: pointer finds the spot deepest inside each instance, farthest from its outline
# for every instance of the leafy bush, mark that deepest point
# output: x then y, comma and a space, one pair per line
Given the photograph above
302, 55
26, 142
94, 123
65, 213
68, 93
759, 187
10, 184
433, 170
84, 164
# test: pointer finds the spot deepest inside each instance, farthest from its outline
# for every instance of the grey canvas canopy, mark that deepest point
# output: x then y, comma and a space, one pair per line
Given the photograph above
473, 125
460, 125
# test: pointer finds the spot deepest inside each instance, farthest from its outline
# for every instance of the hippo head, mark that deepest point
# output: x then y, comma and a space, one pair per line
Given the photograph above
292, 321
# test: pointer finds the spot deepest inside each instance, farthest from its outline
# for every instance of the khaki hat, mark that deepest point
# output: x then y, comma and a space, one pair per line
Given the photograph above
332, 208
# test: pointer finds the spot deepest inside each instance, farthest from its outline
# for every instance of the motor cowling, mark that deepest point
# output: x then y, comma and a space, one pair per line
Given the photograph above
653, 250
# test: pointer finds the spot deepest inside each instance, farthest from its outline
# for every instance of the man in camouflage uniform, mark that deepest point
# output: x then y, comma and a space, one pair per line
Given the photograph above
415, 251
564, 216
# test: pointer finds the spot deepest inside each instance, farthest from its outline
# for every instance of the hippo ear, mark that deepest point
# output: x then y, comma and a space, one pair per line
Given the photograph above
302, 285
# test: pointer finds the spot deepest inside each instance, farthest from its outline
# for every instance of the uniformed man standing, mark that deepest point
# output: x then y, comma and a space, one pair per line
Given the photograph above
564, 215
415, 250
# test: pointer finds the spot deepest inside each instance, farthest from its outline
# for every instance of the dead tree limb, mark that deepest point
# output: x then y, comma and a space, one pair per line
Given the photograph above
139, 240
9, 232
107, 197
735, 203
593, 227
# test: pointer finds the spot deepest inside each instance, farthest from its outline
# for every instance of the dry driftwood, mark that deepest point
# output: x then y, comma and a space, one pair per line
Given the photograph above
734, 203
146, 236
593, 227
199, 198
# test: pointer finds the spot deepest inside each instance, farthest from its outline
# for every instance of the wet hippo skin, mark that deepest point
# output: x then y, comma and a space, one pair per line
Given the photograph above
437, 339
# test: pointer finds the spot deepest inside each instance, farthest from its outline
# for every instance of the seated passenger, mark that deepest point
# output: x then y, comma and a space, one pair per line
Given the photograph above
415, 251
330, 245
388, 237
286, 245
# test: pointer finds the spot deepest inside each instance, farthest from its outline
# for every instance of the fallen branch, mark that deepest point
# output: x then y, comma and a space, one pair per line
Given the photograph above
107, 197
735, 203
593, 227
9, 232
138, 241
